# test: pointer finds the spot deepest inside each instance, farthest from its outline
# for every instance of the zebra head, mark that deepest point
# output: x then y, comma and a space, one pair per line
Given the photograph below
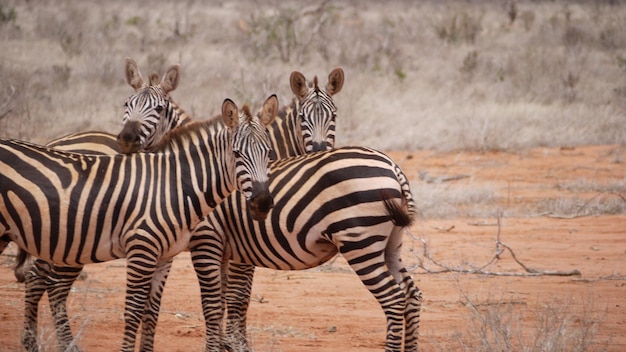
149, 114
251, 150
316, 110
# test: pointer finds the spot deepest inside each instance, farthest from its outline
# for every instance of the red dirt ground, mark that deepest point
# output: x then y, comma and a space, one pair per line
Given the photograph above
328, 309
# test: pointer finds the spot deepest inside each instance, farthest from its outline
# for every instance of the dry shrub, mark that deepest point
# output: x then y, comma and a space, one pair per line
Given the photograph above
502, 322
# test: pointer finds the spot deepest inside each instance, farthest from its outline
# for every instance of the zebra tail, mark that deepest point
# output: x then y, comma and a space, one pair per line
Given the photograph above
400, 215
408, 203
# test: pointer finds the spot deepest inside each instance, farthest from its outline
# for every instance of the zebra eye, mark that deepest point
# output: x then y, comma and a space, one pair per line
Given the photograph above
237, 154
159, 108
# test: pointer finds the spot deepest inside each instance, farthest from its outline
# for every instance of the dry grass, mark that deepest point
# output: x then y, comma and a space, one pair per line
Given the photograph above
461, 75
504, 322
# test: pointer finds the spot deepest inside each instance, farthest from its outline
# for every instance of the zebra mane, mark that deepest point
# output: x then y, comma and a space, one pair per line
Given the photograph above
181, 133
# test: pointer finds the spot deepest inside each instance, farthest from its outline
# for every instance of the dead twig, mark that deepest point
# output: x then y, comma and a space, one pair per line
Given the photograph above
424, 176
500, 248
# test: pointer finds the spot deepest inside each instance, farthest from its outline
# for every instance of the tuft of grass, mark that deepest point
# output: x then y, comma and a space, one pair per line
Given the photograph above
601, 204
7, 15
499, 323
458, 27
447, 201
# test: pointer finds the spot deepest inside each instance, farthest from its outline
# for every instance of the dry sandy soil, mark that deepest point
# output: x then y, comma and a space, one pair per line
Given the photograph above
328, 309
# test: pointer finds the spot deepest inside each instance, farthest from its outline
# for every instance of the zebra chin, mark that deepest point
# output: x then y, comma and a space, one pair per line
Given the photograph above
261, 201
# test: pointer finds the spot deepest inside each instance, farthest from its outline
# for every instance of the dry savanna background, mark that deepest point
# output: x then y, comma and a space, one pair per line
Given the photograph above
507, 116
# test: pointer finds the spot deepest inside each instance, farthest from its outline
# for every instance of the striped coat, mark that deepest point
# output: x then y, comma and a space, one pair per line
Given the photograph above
72, 209
351, 201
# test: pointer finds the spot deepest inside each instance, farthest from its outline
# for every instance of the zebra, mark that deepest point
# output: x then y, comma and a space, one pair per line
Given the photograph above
99, 143
305, 126
354, 201
72, 209
164, 116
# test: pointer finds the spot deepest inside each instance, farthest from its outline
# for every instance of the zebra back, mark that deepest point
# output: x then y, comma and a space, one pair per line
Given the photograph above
316, 196
150, 113
90, 142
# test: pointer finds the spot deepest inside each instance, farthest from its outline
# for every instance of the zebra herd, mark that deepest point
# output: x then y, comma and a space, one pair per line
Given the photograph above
237, 191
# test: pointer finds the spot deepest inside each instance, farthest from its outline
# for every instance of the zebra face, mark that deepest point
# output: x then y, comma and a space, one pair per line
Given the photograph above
251, 152
317, 111
317, 122
148, 114
144, 120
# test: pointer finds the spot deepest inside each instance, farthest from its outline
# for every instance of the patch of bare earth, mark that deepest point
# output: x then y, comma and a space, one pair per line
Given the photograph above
328, 309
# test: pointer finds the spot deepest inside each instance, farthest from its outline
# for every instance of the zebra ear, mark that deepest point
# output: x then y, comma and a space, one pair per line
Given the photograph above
133, 76
270, 108
298, 84
230, 113
335, 81
170, 80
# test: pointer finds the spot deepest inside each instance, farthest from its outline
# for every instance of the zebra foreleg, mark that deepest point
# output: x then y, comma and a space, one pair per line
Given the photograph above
151, 313
208, 255
240, 277
141, 266
58, 284
35, 287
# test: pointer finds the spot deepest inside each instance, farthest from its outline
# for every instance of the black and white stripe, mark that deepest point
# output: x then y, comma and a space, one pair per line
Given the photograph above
352, 201
150, 113
72, 209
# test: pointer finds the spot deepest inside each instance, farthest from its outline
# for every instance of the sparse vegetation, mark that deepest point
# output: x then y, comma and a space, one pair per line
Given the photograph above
457, 67
503, 322
443, 76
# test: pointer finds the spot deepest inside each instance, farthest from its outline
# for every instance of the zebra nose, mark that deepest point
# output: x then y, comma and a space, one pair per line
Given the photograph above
261, 202
319, 147
129, 140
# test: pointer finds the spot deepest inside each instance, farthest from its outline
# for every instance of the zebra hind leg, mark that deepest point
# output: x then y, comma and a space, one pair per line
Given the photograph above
411, 313
381, 283
412, 295
58, 285
35, 287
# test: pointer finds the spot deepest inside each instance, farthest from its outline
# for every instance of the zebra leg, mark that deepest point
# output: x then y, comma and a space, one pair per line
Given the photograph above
140, 268
151, 313
240, 277
369, 265
413, 296
208, 254
411, 313
58, 285
35, 287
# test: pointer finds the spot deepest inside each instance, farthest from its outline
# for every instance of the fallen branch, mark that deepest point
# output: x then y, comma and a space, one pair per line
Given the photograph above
424, 176
500, 248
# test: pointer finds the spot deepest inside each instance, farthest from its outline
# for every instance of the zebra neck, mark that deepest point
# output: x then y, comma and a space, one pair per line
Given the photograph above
206, 170
285, 132
179, 116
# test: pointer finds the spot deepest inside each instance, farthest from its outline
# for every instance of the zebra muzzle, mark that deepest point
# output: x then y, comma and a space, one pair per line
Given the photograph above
261, 201
129, 139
